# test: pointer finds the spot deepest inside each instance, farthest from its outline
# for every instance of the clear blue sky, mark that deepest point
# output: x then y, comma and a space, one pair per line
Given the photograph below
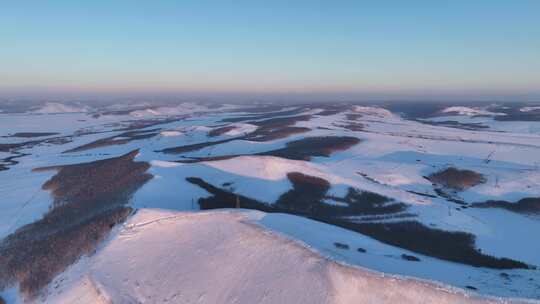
390, 48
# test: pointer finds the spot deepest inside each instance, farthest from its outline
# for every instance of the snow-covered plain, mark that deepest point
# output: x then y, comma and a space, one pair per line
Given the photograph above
195, 253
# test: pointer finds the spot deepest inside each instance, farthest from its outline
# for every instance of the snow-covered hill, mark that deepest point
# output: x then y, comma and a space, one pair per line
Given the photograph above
56, 108
225, 257
469, 111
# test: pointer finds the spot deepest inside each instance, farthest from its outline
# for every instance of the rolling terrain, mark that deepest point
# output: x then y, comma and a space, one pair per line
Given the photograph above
350, 202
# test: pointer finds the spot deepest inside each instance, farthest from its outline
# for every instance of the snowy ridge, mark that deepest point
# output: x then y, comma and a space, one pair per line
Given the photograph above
170, 133
469, 111
240, 129
188, 256
529, 109
56, 108
275, 169
373, 111
180, 109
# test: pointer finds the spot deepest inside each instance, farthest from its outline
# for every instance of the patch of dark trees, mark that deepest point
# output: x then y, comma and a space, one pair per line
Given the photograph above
414, 236
332, 109
422, 194
268, 134
450, 196
352, 126
271, 129
449, 182
306, 148
276, 128
341, 245
302, 149
220, 131
197, 147
306, 198
120, 139
262, 108
456, 125
353, 116
89, 200
10, 147
410, 258
527, 206
147, 123
31, 134
456, 179
265, 115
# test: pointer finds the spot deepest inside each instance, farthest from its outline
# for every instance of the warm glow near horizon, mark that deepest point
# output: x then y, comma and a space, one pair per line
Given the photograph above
432, 48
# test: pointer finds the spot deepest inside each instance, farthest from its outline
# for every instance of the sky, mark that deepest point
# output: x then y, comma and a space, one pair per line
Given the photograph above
478, 49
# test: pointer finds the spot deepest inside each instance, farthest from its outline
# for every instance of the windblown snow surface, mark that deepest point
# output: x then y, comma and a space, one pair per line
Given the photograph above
475, 191
227, 257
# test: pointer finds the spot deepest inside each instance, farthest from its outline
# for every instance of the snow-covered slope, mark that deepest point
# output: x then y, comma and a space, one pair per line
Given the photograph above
180, 109
392, 157
55, 107
224, 257
469, 111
